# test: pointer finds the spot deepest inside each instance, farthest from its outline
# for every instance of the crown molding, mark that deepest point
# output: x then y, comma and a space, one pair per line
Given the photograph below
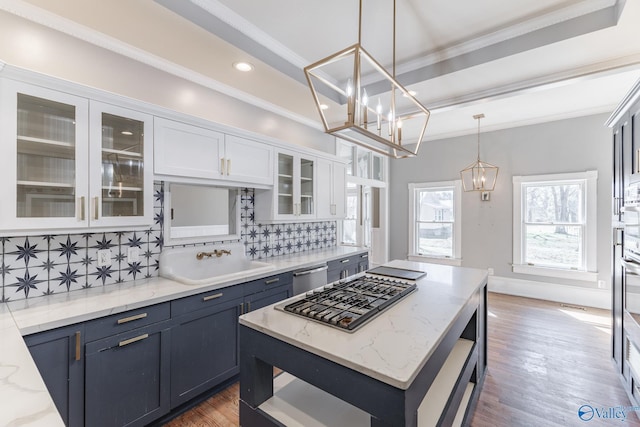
40, 16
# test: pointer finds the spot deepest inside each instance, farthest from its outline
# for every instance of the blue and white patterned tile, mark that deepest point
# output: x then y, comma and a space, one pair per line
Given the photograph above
133, 239
101, 276
156, 241
158, 218
158, 194
21, 252
68, 249
68, 277
25, 283
154, 265
134, 270
102, 241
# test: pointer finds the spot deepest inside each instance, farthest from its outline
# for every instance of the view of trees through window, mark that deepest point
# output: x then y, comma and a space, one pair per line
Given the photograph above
554, 224
435, 218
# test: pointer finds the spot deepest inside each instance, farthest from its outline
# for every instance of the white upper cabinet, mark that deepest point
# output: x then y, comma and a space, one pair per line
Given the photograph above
121, 156
248, 161
54, 155
185, 150
188, 151
294, 192
331, 189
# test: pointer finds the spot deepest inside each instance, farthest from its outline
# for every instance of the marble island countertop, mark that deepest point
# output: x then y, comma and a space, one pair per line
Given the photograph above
395, 345
26, 401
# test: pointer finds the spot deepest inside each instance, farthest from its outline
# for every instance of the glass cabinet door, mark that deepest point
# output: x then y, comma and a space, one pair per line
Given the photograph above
120, 192
46, 158
285, 184
122, 166
306, 187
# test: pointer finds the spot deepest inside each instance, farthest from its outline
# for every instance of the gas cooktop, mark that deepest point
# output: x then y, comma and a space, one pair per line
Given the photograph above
348, 305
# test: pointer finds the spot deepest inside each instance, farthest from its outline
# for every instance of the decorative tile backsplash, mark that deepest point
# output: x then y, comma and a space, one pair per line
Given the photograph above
42, 265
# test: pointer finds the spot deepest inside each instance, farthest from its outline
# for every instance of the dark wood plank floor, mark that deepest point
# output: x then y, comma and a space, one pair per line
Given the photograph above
545, 361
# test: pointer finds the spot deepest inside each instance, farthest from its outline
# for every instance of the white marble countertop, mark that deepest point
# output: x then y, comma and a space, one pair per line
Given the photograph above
395, 345
24, 396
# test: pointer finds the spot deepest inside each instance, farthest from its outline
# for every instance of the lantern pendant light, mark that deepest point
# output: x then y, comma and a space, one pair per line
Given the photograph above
479, 176
360, 101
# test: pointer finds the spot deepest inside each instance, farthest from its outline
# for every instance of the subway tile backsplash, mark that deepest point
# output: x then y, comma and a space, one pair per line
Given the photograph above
42, 265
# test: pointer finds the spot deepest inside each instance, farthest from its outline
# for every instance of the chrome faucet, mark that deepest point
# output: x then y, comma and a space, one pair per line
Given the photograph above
217, 252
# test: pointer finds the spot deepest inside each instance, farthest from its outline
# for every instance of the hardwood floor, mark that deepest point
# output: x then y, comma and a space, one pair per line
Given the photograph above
545, 362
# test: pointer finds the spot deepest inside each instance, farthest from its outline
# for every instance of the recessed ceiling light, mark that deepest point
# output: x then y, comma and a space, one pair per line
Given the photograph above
126, 132
323, 106
242, 66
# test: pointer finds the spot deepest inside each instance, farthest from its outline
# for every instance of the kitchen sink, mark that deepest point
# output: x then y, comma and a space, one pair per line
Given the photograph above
203, 265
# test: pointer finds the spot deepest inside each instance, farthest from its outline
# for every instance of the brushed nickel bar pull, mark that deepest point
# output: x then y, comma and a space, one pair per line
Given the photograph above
249, 306
78, 345
228, 166
82, 208
96, 207
241, 305
222, 166
268, 282
132, 340
132, 318
210, 297
364, 256
344, 261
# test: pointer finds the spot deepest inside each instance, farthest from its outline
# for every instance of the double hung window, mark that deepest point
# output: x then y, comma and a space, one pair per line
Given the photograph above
434, 223
555, 225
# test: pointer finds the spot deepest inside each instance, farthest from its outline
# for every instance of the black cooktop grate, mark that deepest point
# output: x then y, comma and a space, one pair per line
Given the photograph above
350, 304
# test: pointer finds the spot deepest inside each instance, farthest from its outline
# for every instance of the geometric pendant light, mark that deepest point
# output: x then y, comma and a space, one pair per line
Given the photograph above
479, 176
361, 102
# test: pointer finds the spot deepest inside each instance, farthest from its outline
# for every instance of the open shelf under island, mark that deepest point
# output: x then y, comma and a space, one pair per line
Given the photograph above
421, 362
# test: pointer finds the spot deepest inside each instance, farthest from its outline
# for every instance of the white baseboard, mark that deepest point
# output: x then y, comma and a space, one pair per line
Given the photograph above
575, 295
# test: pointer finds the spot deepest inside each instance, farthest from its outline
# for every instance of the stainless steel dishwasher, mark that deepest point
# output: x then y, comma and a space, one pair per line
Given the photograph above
309, 278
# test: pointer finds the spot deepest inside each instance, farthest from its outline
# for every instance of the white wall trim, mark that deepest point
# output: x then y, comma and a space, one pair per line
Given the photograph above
575, 295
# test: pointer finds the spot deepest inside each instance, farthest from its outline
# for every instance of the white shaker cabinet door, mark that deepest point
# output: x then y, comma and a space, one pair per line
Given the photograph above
185, 150
248, 161
331, 189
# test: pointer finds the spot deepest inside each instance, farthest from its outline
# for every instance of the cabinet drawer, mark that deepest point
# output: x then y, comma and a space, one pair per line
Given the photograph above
206, 299
343, 263
266, 283
126, 321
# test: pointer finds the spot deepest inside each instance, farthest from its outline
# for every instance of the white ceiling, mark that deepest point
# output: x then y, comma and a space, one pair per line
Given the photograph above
518, 62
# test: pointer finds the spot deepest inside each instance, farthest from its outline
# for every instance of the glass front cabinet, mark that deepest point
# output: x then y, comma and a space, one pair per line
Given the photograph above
69, 162
293, 198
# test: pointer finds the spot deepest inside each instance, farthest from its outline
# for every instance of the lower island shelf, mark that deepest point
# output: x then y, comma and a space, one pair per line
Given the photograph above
419, 363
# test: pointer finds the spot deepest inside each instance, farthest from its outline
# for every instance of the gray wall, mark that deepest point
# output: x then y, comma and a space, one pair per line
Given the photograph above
68, 58
572, 145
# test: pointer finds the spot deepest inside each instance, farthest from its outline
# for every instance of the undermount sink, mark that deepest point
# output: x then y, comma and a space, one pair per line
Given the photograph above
183, 265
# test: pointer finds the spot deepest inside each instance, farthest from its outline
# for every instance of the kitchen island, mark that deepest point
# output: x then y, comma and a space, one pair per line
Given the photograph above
420, 362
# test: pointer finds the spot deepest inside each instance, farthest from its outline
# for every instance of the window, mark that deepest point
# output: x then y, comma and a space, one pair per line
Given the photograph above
434, 221
555, 225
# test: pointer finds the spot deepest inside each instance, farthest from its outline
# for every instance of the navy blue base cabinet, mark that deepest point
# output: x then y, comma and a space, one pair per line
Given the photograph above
127, 377
131, 368
59, 356
204, 345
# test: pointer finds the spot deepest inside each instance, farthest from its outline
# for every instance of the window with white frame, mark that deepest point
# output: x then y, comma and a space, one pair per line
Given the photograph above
434, 221
555, 225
